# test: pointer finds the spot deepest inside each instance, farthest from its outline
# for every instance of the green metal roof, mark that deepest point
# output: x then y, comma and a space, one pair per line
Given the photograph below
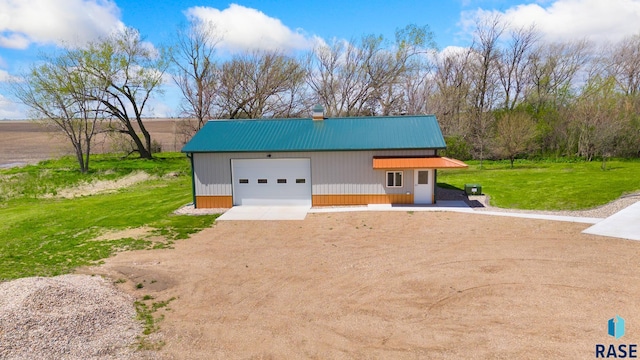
351, 133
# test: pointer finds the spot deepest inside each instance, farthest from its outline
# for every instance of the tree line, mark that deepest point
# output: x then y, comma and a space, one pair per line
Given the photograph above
509, 94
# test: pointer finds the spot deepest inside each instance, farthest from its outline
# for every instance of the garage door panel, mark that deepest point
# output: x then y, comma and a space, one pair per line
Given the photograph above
271, 181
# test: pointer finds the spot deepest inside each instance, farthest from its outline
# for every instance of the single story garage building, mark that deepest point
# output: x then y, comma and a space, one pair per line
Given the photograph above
318, 161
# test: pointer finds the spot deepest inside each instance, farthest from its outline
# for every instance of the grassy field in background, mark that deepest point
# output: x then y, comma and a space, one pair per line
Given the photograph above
548, 185
51, 236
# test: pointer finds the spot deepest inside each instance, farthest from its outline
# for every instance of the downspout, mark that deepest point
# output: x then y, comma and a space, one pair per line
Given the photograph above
435, 184
193, 180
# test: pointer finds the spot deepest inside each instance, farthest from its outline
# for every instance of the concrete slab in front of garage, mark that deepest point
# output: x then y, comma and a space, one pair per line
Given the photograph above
254, 212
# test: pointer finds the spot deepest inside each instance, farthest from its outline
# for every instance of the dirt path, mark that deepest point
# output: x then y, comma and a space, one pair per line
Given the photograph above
388, 285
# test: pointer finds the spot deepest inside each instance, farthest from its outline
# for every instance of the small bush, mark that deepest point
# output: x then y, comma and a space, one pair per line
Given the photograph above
156, 147
457, 148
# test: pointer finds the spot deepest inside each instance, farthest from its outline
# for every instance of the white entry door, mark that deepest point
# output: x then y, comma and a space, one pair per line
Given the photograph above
423, 186
271, 181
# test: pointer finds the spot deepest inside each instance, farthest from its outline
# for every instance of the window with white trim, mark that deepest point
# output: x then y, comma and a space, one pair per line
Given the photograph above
394, 178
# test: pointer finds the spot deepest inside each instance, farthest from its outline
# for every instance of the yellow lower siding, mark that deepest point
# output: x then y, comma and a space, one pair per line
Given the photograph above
213, 202
225, 202
365, 199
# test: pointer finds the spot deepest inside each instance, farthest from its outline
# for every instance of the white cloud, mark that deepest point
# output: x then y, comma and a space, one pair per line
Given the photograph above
14, 41
565, 20
245, 28
4, 76
159, 109
54, 22
452, 51
10, 110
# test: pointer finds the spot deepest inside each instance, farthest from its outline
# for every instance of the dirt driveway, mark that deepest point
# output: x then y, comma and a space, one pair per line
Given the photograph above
374, 285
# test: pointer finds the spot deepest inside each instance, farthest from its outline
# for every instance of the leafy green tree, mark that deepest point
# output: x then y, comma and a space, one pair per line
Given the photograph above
457, 147
61, 95
598, 119
514, 134
127, 71
554, 69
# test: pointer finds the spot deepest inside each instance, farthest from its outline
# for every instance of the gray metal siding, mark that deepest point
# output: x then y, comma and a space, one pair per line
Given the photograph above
212, 173
332, 172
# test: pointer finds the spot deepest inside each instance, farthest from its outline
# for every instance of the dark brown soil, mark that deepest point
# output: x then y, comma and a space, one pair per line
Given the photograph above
27, 142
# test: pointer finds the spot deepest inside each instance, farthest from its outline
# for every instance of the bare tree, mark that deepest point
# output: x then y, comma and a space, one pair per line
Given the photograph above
391, 70
366, 77
623, 63
128, 71
451, 98
337, 77
417, 88
62, 96
260, 84
196, 72
514, 65
484, 79
554, 68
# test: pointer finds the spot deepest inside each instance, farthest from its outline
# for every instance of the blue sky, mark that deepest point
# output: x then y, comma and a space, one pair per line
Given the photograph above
30, 27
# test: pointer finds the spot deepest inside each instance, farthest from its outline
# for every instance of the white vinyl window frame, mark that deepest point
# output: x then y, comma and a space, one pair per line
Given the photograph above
394, 179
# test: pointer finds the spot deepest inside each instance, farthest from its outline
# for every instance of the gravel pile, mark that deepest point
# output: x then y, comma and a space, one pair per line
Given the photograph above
189, 209
66, 317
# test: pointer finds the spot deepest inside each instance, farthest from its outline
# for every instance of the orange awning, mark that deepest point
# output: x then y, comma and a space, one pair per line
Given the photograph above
417, 163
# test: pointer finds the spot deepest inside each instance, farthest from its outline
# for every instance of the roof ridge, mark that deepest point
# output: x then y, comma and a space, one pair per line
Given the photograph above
329, 118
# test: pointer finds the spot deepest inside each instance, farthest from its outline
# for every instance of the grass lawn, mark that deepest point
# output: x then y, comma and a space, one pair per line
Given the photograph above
50, 236
547, 185
43, 235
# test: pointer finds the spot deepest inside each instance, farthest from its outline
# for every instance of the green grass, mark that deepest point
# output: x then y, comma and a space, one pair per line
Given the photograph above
49, 176
51, 236
146, 314
548, 185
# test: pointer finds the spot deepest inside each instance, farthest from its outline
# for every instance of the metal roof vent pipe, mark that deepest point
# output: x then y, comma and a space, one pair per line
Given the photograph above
318, 113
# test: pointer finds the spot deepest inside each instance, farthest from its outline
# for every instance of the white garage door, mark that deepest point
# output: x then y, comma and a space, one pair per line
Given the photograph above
271, 181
